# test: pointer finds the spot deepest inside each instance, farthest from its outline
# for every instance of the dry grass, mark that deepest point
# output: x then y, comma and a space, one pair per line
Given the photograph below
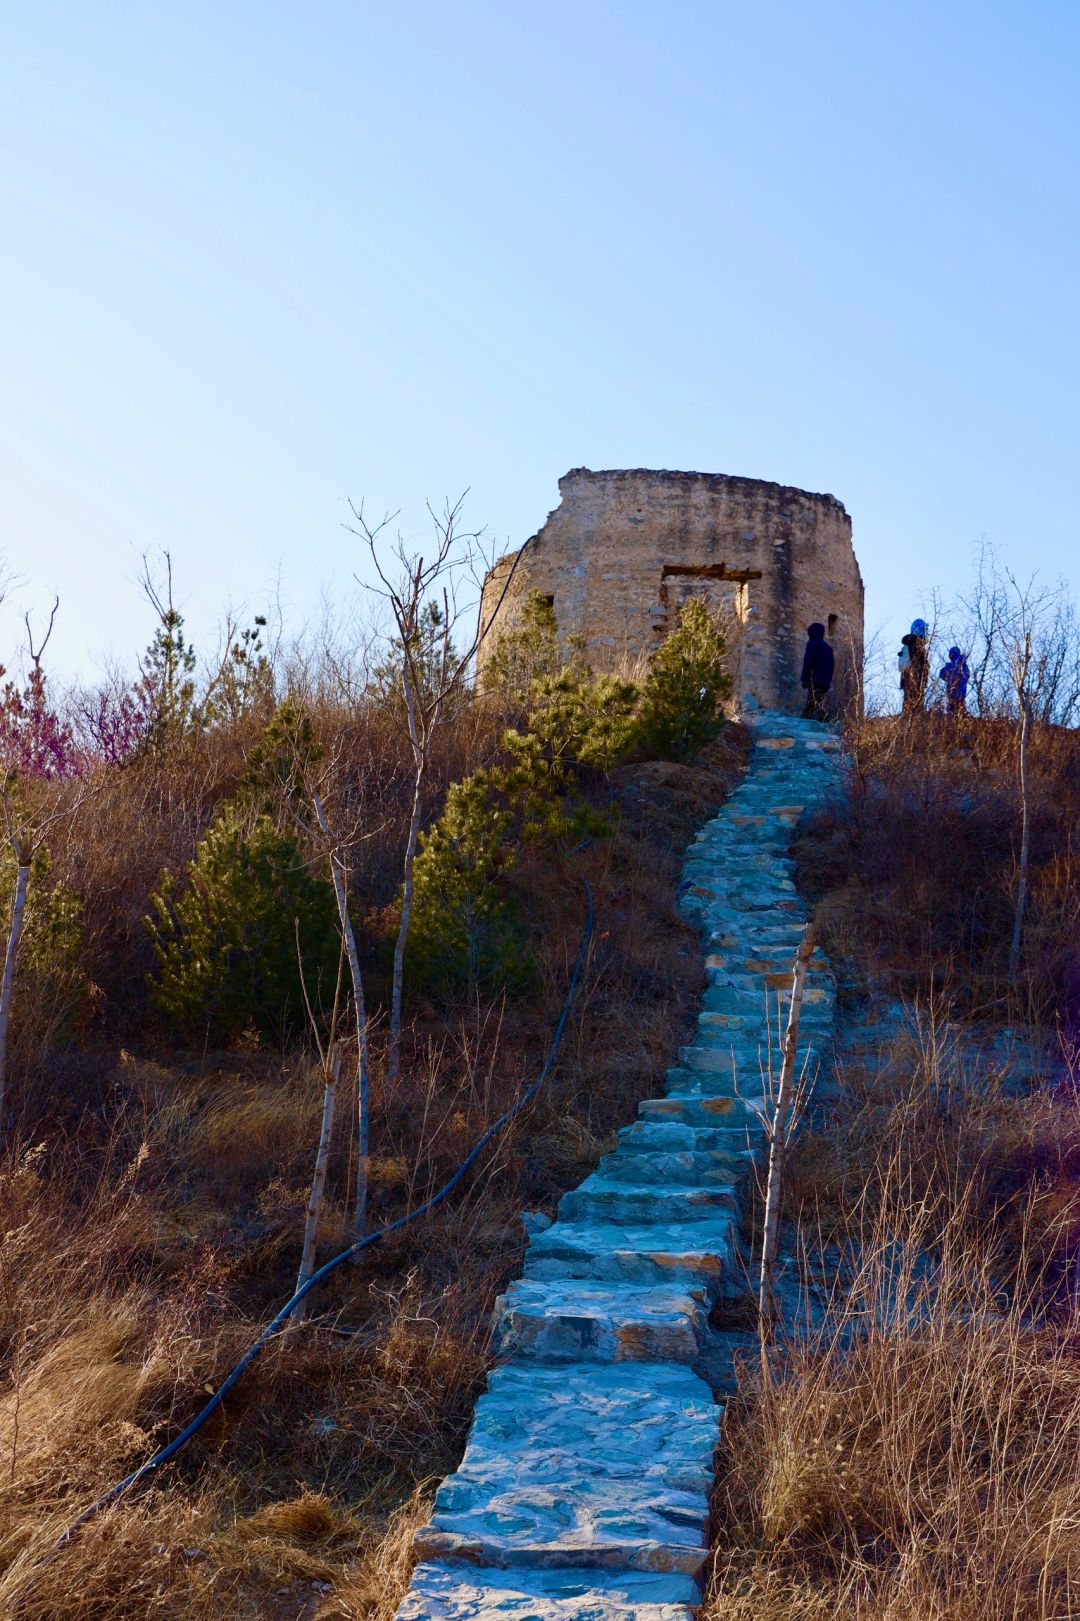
965, 1139
916, 878
919, 1456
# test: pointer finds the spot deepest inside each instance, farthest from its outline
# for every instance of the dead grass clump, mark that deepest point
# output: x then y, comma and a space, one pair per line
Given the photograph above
304, 1538
918, 1456
372, 1589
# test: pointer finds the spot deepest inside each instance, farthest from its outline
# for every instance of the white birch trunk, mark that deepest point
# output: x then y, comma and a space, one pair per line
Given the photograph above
11, 954
363, 1066
778, 1140
331, 1076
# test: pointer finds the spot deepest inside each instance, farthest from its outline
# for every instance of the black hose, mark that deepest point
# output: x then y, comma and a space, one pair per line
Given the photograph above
361, 1244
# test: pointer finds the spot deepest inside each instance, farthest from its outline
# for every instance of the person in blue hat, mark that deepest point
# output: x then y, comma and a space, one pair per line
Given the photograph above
956, 676
914, 666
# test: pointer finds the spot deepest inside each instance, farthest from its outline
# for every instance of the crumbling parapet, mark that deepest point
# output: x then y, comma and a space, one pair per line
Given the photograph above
623, 550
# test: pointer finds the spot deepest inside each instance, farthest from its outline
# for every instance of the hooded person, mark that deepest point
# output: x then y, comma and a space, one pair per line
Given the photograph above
914, 666
956, 676
817, 672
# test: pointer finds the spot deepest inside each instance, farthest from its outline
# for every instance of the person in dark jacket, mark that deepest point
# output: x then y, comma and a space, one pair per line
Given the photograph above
955, 675
914, 663
817, 672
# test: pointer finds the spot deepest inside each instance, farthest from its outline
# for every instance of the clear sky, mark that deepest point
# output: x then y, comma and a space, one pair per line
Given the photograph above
258, 258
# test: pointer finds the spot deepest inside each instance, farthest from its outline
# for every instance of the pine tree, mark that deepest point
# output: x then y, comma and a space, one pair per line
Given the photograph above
229, 938
682, 699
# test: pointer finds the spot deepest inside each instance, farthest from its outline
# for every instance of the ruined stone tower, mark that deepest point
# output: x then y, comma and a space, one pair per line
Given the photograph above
623, 550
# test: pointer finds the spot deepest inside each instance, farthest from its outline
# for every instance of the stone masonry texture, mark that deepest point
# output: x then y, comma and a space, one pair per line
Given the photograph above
583, 1493
623, 550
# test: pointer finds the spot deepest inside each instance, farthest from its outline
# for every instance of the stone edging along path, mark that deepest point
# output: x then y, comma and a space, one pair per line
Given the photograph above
583, 1494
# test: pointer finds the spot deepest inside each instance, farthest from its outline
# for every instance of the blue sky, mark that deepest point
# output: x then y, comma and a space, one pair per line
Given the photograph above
257, 259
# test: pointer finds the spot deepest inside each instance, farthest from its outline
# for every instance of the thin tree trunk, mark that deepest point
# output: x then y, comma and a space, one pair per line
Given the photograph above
1025, 838
331, 1076
363, 1065
18, 913
393, 1052
778, 1141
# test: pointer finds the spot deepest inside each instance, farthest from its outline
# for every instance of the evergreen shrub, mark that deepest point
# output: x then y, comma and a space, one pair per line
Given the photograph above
227, 938
682, 699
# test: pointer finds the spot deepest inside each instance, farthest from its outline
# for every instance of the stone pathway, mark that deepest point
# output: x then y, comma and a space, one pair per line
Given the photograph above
583, 1494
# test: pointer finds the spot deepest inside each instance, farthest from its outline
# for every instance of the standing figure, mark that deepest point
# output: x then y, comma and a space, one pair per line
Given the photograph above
817, 672
914, 665
955, 675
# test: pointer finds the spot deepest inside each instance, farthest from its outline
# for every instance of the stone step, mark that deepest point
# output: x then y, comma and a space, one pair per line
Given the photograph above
823, 986
675, 1136
652, 1252
578, 1320
601, 1199
752, 1031
721, 1060
715, 1168
741, 1081
604, 1466
698, 1110
752, 968
442, 1592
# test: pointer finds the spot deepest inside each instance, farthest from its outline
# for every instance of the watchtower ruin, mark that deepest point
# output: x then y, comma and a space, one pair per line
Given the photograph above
623, 550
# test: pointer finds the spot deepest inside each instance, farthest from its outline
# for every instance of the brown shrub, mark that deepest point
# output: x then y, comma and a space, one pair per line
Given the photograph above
915, 871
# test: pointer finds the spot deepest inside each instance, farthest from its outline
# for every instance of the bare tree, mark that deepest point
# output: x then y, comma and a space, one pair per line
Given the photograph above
422, 591
1029, 669
785, 1100
1028, 629
290, 758
25, 833
330, 1066
1025, 837
339, 875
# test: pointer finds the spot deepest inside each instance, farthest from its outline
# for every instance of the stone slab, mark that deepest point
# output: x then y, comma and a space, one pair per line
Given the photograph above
446, 1593
605, 1467
698, 1111
707, 1169
581, 1320
602, 1199
647, 1137
646, 1253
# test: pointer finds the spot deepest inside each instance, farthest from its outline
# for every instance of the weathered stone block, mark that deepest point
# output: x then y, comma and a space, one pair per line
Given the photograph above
580, 1320
601, 1199
644, 1253
449, 1593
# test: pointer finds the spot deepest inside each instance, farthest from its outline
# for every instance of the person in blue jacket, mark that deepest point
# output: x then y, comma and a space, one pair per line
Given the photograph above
914, 665
955, 675
817, 672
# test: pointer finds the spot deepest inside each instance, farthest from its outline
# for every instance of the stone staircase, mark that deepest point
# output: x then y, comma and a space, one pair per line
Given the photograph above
583, 1494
